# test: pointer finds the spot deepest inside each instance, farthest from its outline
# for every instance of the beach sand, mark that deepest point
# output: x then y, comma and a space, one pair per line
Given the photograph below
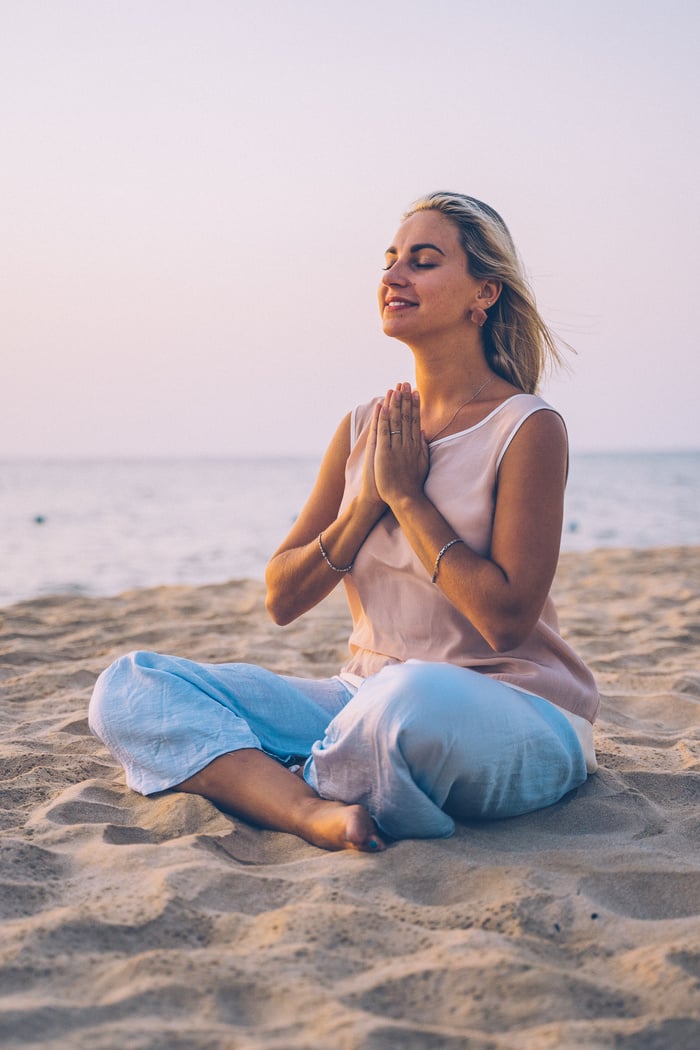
163, 923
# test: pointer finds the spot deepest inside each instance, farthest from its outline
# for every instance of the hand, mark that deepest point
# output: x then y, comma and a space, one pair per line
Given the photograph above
401, 459
368, 491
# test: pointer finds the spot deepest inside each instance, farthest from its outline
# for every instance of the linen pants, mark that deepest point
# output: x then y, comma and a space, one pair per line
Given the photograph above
414, 738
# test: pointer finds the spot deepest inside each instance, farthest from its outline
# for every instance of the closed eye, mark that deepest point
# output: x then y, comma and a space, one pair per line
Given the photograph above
415, 264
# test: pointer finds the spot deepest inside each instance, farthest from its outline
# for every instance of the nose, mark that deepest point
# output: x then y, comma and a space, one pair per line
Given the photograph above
395, 275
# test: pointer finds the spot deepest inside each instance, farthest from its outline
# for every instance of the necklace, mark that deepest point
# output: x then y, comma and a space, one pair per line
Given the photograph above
463, 405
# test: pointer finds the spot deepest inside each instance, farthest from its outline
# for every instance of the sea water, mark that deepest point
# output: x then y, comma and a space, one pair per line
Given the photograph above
102, 527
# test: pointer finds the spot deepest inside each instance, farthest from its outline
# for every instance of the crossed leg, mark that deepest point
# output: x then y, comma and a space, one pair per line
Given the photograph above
254, 786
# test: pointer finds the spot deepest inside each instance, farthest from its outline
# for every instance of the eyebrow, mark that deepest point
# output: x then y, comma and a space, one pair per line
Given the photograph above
416, 248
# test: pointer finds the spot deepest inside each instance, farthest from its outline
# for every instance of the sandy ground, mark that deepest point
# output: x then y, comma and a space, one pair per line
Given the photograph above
163, 923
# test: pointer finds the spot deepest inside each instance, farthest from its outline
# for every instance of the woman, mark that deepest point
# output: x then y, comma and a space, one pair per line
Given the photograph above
439, 506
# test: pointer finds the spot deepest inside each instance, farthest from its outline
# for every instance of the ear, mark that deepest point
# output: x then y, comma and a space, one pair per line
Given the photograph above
487, 295
489, 291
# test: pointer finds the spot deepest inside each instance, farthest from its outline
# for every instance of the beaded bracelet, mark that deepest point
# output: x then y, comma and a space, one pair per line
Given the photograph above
329, 563
439, 557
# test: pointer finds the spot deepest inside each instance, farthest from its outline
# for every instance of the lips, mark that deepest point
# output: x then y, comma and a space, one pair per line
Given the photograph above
394, 303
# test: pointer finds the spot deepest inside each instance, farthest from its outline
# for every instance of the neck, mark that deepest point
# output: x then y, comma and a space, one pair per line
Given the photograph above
449, 376
448, 380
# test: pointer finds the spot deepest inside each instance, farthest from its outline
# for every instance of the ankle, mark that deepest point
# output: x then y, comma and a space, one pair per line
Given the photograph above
308, 810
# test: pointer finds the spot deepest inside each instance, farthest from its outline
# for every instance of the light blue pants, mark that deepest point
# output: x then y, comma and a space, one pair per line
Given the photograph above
417, 738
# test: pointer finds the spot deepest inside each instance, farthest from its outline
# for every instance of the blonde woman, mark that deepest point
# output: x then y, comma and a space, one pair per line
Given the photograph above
439, 507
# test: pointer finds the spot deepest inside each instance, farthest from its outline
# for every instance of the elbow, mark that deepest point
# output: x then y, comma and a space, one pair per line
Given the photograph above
509, 633
279, 599
274, 600
505, 641
277, 613
277, 609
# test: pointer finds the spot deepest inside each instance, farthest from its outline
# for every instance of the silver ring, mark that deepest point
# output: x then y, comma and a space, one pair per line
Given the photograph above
394, 432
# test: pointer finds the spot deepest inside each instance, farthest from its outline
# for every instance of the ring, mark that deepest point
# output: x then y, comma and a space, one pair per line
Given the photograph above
394, 432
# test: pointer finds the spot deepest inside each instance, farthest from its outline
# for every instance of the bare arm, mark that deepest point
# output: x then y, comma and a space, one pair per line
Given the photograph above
501, 594
297, 575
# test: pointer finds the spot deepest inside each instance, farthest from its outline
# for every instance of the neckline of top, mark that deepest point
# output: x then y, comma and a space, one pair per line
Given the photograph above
468, 430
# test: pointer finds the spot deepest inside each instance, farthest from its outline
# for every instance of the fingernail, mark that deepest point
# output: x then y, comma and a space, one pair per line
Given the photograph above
373, 844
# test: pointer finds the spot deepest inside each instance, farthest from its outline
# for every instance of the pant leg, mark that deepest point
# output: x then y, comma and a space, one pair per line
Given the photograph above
419, 736
164, 718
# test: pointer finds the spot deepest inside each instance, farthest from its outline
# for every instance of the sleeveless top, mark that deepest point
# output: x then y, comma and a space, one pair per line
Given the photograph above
399, 614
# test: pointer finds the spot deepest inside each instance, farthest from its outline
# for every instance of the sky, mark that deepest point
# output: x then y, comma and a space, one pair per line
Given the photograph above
197, 195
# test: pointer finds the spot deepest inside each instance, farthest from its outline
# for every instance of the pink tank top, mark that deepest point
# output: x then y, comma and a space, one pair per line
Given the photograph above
399, 614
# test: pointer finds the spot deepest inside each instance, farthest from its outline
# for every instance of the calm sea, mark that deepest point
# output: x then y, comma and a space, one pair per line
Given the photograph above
98, 528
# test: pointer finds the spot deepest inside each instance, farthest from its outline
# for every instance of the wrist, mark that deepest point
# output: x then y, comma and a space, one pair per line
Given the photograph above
367, 511
406, 504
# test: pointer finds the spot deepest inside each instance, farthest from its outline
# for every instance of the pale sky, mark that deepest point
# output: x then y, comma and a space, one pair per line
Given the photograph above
196, 196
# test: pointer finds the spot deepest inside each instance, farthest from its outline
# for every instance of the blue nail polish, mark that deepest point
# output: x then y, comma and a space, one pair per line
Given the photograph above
373, 844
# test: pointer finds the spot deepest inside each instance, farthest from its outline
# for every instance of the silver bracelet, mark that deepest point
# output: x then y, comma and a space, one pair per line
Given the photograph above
447, 546
329, 563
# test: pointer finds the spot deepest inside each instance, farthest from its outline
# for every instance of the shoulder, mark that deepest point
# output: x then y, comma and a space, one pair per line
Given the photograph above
542, 419
520, 406
360, 418
536, 443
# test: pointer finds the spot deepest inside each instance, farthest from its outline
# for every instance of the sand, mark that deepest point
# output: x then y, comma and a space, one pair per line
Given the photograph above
163, 923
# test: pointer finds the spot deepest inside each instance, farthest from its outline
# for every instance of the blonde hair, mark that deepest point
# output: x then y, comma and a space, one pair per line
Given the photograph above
518, 344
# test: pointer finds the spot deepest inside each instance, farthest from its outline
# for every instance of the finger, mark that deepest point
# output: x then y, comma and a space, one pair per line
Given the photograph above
416, 431
395, 411
383, 423
406, 411
373, 428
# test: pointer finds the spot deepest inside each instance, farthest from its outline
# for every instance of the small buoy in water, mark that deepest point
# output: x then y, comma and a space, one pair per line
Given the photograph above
39, 519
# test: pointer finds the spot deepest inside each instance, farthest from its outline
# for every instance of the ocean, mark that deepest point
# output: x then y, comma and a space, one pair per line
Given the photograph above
102, 527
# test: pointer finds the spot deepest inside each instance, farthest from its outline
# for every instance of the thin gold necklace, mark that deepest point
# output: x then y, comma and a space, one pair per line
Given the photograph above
464, 405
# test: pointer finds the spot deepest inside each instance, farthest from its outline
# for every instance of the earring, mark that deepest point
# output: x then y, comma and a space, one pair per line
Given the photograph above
478, 316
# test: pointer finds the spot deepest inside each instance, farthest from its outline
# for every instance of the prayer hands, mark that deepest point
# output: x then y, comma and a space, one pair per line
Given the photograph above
401, 457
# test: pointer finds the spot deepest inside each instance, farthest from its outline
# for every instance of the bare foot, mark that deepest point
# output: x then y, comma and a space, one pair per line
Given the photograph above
256, 787
335, 826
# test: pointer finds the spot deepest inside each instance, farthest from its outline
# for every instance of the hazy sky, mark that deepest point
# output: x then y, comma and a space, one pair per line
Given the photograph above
196, 196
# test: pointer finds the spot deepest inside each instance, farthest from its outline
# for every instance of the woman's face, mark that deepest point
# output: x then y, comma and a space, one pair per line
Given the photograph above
426, 288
